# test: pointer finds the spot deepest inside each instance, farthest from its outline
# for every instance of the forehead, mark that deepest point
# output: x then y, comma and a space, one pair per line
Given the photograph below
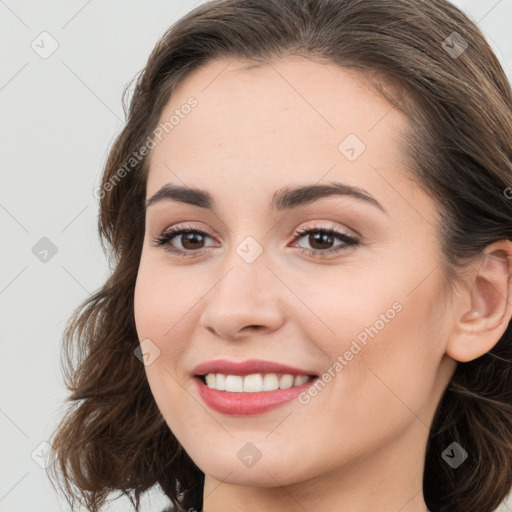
293, 120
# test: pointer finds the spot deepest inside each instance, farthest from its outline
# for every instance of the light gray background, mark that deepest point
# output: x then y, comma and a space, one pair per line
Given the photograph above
59, 116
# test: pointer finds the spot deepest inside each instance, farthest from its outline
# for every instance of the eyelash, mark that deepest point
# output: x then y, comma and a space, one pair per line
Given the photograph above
164, 239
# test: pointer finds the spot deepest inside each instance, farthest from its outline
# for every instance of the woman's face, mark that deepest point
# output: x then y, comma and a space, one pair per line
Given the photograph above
367, 318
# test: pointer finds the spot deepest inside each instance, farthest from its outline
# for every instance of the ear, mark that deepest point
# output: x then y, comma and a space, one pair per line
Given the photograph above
483, 310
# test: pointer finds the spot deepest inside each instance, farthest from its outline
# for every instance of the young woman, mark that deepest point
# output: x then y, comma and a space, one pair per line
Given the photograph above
310, 213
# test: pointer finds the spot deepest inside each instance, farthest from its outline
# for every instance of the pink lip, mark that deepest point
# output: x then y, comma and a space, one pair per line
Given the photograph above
247, 367
246, 404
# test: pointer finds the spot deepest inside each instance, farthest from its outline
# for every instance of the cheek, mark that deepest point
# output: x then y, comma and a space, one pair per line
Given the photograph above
157, 313
161, 301
349, 306
160, 314
398, 357
382, 334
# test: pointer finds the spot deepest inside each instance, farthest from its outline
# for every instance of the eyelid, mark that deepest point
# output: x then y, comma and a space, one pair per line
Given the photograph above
317, 224
329, 224
187, 224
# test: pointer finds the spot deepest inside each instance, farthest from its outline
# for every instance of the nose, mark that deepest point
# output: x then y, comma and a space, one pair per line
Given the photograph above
246, 298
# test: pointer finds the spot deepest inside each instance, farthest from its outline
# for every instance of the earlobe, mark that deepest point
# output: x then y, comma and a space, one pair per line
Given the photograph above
489, 294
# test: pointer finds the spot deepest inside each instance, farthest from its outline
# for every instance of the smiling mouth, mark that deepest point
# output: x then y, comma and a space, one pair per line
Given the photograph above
253, 383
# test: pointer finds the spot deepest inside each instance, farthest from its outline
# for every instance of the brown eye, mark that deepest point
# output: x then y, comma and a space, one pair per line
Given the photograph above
321, 239
190, 238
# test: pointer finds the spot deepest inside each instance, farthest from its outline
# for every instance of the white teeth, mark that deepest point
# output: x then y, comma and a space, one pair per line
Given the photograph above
300, 379
210, 380
286, 381
270, 382
234, 383
254, 383
220, 381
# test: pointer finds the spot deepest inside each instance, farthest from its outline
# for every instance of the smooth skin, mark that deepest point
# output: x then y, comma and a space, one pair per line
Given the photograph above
359, 444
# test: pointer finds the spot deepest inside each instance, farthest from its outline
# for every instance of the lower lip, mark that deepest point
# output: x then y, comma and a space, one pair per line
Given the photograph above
245, 404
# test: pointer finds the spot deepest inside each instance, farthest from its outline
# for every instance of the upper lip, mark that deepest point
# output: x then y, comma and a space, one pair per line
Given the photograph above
247, 367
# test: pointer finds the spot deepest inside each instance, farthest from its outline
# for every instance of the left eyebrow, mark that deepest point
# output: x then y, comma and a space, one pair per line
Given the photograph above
283, 199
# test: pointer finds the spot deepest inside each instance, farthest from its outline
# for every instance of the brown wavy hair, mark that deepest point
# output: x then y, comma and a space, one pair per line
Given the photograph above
113, 438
